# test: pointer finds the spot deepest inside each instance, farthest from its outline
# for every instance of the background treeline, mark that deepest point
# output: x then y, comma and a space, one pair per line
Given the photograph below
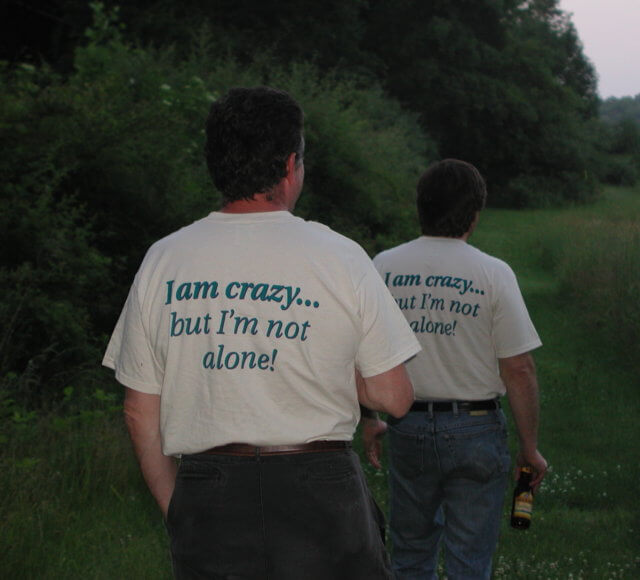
101, 116
616, 109
621, 131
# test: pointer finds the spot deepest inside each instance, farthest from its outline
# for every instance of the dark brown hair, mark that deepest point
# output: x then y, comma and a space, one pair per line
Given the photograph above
250, 134
450, 192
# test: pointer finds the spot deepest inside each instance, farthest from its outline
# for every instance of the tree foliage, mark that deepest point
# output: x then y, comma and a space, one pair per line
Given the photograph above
501, 83
620, 140
102, 149
99, 164
613, 110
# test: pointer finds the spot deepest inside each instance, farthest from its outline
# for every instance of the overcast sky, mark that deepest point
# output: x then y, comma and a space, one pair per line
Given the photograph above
610, 35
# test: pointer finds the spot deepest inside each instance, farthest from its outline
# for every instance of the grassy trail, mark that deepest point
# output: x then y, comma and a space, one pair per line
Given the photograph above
586, 514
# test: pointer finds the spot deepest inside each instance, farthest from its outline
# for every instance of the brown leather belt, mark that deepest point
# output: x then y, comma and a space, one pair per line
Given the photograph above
246, 450
448, 406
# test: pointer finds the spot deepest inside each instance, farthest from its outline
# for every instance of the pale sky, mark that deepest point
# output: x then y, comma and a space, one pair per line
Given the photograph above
610, 35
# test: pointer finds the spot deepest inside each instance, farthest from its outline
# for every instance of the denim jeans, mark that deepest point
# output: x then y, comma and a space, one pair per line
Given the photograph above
448, 477
279, 517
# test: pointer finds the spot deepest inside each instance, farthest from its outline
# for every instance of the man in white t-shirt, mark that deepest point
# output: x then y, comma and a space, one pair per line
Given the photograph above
239, 346
449, 455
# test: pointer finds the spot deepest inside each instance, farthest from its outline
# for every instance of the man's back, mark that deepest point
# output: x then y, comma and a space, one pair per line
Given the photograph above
265, 313
466, 310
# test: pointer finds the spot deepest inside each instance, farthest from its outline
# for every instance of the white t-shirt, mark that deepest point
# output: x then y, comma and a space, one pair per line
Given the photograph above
250, 326
466, 310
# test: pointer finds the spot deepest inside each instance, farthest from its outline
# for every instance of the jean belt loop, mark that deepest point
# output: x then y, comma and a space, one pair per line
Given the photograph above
431, 409
454, 405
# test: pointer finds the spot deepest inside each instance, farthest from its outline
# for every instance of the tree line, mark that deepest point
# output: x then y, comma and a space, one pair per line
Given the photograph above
614, 109
101, 115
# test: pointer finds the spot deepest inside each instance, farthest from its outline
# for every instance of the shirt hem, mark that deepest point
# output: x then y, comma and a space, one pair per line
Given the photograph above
392, 362
520, 350
136, 385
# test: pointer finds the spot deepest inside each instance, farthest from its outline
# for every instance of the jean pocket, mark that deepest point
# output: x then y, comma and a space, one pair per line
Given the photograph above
407, 452
199, 485
479, 453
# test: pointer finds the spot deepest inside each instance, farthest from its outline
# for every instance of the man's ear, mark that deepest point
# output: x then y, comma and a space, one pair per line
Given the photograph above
291, 167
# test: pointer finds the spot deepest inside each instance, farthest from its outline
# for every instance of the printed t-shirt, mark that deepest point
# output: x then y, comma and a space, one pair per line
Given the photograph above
249, 327
466, 310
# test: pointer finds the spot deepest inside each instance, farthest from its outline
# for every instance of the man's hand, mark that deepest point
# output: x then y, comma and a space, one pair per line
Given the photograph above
536, 462
373, 431
142, 415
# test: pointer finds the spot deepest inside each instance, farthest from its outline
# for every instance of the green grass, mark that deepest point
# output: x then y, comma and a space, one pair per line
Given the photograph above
73, 505
586, 514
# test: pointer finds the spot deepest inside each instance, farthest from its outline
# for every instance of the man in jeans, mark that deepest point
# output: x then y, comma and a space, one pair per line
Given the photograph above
239, 346
449, 455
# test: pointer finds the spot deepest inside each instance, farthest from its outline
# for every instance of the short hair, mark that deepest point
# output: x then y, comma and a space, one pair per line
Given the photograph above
450, 193
250, 133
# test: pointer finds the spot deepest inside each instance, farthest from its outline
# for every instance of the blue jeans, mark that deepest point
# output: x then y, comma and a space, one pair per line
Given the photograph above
277, 517
448, 477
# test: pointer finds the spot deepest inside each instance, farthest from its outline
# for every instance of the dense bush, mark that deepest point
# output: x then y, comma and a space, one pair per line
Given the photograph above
51, 271
621, 170
97, 166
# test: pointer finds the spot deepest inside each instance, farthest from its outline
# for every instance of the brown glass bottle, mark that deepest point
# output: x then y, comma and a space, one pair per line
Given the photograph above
522, 506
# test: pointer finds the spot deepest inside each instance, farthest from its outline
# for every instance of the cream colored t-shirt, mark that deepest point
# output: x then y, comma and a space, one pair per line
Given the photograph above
467, 311
250, 327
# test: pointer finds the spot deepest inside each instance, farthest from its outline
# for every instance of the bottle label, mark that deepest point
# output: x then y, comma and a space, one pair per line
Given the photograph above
523, 505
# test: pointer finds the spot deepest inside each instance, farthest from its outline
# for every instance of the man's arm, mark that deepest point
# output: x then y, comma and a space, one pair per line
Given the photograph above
519, 376
391, 392
142, 416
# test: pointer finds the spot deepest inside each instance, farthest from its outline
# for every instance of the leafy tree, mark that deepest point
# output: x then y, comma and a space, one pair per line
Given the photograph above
501, 84
625, 137
97, 166
614, 109
620, 140
43, 30
326, 33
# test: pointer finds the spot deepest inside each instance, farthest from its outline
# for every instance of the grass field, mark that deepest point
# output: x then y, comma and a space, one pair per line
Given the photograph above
586, 514
72, 504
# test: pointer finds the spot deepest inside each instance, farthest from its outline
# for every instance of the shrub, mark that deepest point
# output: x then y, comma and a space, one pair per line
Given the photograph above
620, 170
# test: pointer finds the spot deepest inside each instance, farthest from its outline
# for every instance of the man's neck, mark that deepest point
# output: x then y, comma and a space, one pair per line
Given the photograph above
463, 237
258, 204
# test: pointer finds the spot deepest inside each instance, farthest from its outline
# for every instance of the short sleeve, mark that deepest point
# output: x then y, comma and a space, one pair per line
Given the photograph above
129, 352
387, 338
513, 332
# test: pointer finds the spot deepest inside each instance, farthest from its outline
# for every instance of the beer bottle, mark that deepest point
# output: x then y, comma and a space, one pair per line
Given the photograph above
522, 500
